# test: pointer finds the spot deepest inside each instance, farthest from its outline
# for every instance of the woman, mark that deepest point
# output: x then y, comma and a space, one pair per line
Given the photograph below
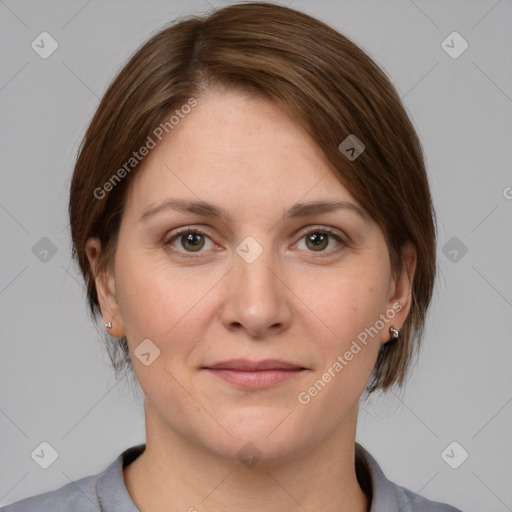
252, 216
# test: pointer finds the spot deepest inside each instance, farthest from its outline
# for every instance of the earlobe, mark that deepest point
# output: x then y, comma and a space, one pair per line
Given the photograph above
105, 289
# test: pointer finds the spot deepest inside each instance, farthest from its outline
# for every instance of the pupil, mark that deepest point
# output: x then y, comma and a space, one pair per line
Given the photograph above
317, 239
192, 239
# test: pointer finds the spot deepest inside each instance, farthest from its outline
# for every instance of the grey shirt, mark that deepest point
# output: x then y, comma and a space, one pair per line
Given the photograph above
107, 492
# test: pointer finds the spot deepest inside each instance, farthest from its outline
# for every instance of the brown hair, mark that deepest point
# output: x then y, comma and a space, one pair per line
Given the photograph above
323, 79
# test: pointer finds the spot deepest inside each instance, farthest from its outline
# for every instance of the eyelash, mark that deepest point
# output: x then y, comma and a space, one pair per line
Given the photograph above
324, 231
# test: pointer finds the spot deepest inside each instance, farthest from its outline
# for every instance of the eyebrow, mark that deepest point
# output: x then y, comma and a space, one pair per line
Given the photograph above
206, 209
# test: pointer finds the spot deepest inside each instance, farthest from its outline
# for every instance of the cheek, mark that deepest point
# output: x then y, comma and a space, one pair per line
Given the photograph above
347, 307
347, 349
347, 302
159, 301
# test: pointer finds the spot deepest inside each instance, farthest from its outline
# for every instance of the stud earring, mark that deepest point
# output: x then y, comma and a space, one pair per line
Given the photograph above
108, 325
395, 334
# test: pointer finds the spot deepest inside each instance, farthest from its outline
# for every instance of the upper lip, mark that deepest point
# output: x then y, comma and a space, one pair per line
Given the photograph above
244, 365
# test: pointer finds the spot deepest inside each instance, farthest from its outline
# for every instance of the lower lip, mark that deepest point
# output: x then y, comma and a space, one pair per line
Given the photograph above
256, 379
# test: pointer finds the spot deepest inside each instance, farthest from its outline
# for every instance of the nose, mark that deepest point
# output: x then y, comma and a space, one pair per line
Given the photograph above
256, 298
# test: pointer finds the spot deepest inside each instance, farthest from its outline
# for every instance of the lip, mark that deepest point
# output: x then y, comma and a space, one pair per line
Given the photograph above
255, 374
245, 365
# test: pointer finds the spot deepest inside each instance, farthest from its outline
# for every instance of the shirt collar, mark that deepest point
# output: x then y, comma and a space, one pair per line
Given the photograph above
383, 493
110, 487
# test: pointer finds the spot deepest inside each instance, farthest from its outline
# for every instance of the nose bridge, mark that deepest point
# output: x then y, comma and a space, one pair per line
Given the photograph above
252, 266
257, 297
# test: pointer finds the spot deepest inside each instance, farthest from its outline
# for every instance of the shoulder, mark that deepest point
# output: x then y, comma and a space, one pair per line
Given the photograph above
386, 495
411, 502
79, 495
105, 491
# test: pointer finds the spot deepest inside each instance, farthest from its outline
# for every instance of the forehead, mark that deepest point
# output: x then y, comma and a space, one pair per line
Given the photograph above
237, 149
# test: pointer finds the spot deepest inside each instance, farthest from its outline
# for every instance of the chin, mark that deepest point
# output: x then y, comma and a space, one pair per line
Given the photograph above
259, 436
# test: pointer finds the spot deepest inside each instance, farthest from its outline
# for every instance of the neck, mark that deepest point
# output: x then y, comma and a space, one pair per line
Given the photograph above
176, 474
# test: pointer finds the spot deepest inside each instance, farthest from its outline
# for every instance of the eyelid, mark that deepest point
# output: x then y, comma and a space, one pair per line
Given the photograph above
325, 229
184, 229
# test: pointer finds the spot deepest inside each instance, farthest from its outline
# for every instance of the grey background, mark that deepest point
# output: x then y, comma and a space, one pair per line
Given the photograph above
55, 381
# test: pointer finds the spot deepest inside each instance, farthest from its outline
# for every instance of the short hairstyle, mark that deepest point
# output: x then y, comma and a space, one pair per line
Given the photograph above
323, 80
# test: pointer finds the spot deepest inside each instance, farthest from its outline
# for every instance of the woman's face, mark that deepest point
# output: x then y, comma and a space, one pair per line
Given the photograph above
268, 322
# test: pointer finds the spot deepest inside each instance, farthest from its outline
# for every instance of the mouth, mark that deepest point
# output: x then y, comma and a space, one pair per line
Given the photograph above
255, 374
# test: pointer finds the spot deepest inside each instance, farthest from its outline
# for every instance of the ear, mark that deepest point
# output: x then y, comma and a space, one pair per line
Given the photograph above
106, 290
400, 290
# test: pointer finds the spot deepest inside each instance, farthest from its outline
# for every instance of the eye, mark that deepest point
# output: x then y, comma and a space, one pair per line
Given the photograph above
191, 240
316, 240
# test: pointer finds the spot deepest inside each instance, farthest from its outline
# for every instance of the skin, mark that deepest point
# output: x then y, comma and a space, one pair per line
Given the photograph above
296, 302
